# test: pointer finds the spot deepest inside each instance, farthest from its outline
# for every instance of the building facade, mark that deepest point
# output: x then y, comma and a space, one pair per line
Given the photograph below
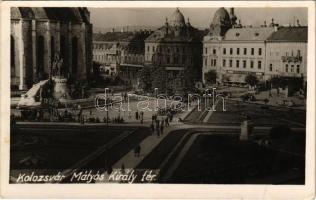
177, 47
120, 54
287, 52
233, 51
39, 34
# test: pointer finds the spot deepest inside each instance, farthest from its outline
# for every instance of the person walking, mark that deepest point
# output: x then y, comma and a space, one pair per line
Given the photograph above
161, 129
135, 151
167, 121
152, 127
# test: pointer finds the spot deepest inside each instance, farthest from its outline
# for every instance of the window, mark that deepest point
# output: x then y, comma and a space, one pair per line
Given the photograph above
224, 51
244, 64
74, 54
168, 59
298, 69
287, 68
147, 48
237, 63
214, 62
251, 64
52, 47
259, 64
176, 60
270, 68
153, 49
214, 51
230, 63
224, 63
245, 51
231, 51
12, 52
183, 59
205, 62
177, 49
252, 51
205, 50
63, 47
237, 51
260, 52
292, 68
211, 62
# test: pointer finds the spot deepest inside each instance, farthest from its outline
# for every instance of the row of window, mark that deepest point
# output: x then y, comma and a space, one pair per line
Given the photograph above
259, 63
169, 49
174, 59
236, 64
237, 51
292, 68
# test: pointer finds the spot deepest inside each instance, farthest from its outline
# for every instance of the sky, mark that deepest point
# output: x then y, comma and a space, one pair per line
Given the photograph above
199, 17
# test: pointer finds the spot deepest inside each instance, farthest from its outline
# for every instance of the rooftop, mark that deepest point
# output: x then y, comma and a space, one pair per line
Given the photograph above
292, 34
248, 34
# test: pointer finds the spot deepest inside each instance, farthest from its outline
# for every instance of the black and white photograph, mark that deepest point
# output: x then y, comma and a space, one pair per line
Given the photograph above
159, 95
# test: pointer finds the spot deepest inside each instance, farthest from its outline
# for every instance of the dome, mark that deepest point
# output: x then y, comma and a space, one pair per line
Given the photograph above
221, 16
177, 18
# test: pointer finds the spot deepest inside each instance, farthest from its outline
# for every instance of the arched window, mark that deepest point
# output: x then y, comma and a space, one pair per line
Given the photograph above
40, 55
63, 52
74, 54
12, 52
52, 47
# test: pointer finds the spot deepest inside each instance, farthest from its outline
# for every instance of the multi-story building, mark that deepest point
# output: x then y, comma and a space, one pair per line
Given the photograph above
233, 50
176, 47
38, 34
287, 52
120, 53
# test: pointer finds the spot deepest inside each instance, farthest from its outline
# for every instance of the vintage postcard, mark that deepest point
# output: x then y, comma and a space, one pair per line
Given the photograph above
199, 100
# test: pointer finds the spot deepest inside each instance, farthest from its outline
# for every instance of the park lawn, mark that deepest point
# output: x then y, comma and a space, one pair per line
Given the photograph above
161, 151
223, 159
235, 112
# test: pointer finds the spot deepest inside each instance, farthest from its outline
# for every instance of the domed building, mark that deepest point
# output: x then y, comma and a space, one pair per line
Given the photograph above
177, 18
177, 47
221, 23
39, 34
233, 51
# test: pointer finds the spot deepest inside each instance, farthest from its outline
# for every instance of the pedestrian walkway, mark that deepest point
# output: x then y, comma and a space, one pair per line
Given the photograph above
209, 114
147, 145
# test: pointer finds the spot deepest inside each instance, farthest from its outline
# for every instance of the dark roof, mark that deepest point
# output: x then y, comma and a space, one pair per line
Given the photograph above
113, 36
168, 34
121, 36
290, 34
133, 42
248, 34
51, 13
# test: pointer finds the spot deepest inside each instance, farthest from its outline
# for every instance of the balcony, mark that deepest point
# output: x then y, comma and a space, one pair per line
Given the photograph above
294, 59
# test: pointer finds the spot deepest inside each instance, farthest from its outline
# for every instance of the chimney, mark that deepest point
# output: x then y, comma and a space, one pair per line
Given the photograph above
113, 30
232, 12
298, 22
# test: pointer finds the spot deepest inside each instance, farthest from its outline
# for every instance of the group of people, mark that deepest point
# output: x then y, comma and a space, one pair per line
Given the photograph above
158, 125
139, 116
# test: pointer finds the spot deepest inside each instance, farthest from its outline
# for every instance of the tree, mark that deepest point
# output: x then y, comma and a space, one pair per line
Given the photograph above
145, 78
251, 80
159, 79
210, 77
